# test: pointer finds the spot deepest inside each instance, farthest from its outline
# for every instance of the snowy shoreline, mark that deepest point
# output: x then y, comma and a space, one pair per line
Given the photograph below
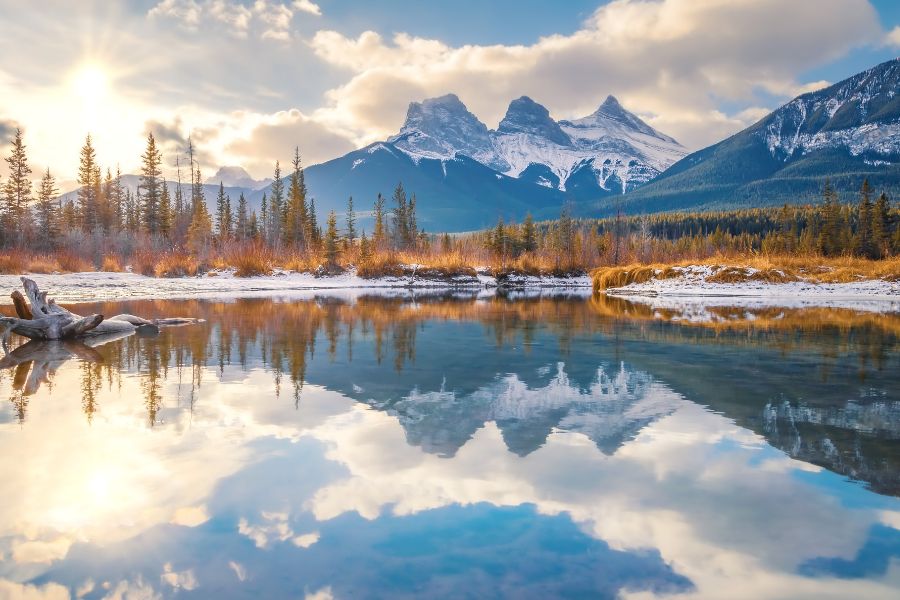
108, 286
691, 290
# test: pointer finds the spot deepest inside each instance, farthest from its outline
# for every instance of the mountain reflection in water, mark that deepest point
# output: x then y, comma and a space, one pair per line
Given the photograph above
519, 447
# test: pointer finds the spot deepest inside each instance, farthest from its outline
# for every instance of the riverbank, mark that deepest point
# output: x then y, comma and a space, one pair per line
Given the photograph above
694, 288
93, 286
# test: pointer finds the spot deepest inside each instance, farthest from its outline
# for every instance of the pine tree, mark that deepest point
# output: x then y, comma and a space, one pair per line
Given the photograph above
253, 226
264, 218
401, 217
242, 227
200, 229
497, 239
295, 212
315, 233
365, 248
118, 199
446, 243
222, 209
18, 189
69, 216
276, 208
151, 175
379, 237
529, 234
108, 213
881, 226
331, 240
830, 235
864, 243
87, 197
412, 223
166, 218
47, 209
351, 221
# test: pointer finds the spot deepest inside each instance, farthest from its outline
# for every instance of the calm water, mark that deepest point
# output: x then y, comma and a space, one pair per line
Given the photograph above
455, 448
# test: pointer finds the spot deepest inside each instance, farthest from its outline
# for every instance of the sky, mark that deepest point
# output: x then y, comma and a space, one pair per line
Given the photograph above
249, 80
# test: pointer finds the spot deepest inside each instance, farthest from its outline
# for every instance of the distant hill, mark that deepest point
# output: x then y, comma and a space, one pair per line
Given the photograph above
845, 133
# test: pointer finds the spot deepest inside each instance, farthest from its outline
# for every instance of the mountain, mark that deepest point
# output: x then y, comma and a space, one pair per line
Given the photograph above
845, 133
458, 194
607, 152
237, 177
465, 175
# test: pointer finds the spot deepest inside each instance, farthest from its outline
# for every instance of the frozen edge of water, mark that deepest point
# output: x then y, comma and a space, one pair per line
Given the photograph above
75, 288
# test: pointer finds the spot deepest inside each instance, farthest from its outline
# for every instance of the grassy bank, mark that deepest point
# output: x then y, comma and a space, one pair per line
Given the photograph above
769, 269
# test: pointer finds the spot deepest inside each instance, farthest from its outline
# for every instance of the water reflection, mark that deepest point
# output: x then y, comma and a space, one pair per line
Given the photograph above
391, 447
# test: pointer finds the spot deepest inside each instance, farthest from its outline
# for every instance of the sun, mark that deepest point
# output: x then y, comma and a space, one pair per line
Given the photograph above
90, 83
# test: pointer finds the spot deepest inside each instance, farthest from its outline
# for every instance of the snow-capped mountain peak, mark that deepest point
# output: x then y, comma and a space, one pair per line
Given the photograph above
440, 128
524, 115
610, 150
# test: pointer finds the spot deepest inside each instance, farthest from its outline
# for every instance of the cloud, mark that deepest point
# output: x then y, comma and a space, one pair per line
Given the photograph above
269, 19
893, 37
672, 61
308, 7
277, 135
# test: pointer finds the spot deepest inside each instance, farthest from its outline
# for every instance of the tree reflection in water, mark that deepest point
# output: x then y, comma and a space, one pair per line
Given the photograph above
819, 383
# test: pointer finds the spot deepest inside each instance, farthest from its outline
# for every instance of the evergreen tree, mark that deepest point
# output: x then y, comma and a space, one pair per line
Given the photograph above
412, 224
830, 242
380, 234
264, 218
69, 216
881, 226
18, 190
200, 229
498, 239
242, 227
446, 243
401, 217
864, 244
365, 248
118, 200
351, 221
295, 213
253, 226
276, 208
315, 234
149, 188
529, 234
166, 217
331, 240
222, 210
87, 193
47, 210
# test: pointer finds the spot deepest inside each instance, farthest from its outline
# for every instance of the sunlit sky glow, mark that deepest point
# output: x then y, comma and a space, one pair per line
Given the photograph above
250, 79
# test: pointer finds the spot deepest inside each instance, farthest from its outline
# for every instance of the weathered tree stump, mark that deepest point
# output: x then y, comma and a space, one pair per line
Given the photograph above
43, 319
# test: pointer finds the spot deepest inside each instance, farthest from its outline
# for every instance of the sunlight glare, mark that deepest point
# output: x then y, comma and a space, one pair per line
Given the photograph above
90, 83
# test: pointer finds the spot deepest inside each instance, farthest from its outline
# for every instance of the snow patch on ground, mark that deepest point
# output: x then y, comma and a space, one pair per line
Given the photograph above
691, 293
93, 286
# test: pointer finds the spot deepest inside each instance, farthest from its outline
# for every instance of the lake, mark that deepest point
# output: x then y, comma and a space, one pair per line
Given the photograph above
458, 447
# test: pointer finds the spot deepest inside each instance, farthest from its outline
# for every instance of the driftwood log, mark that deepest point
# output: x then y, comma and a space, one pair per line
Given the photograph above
43, 319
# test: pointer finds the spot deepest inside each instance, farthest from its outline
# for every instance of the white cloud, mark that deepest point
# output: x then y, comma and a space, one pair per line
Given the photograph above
672, 61
308, 7
893, 37
269, 19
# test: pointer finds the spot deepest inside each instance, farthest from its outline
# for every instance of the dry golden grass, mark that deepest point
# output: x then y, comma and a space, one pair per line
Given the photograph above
111, 263
772, 269
613, 277
381, 264
176, 264
251, 261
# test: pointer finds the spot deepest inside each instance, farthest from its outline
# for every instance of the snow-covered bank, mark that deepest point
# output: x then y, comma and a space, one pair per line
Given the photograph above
691, 292
102, 286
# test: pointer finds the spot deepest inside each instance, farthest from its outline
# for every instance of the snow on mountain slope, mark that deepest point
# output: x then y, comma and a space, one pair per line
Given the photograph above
859, 114
619, 149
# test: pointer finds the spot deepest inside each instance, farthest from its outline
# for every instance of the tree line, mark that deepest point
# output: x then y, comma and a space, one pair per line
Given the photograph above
103, 206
